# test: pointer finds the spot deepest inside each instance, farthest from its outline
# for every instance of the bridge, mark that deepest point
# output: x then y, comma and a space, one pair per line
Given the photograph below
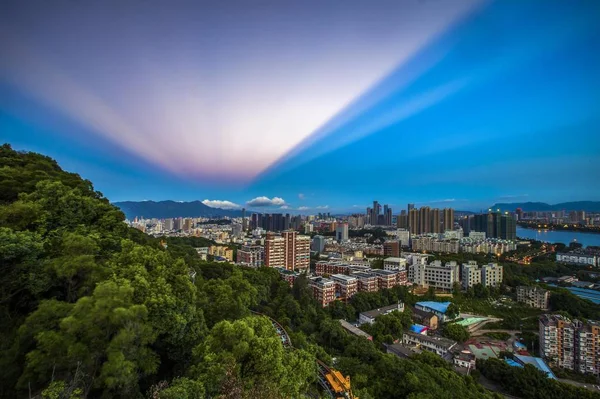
333, 383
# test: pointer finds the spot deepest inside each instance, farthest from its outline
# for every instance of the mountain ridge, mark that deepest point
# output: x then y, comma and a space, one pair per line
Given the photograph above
589, 206
172, 209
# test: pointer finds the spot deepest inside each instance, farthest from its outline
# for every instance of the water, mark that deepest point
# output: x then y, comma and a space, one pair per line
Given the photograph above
565, 237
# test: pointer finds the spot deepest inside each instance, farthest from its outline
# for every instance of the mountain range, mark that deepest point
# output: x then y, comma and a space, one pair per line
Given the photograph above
172, 209
589, 206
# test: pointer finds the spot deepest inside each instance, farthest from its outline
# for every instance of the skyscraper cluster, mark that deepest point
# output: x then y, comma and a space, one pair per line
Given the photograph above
426, 220
374, 217
493, 224
275, 221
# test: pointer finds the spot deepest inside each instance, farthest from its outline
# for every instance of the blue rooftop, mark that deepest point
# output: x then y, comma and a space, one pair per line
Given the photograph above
511, 362
437, 306
418, 328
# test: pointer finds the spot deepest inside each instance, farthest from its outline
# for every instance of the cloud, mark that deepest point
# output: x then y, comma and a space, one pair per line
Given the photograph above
265, 201
284, 207
323, 207
516, 196
301, 196
303, 208
221, 204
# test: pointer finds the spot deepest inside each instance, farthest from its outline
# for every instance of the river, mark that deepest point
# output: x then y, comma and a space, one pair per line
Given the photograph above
565, 237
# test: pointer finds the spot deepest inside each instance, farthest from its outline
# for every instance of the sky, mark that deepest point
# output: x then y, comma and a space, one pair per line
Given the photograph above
310, 106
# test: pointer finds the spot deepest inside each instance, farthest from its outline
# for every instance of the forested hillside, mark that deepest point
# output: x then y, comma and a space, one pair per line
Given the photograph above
92, 308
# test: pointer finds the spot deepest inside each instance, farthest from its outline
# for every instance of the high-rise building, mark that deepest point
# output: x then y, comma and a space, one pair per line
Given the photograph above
448, 219
375, 213
402, 220
388, 216
413, 221
424, 220
570, 344
341, 232
436, 223
494, 224
244, 221
368, 216
404, 237
318, 243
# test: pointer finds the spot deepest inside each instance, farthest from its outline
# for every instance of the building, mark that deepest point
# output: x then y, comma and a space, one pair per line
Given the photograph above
434, 244
318, 243
403, 236
570, 344
494, 224
490, 275
223, 252
391, 248
438, 345
287, 250
387, 279
437, 308
402, 351
355, 330
578, 258
394, 263
535, 297
251, 256
448, 219
425, 318
465, 359
289, 276
341, 232
371, 315
477, 235
434, 274
323, 290
471, 274
345, 286
367, 282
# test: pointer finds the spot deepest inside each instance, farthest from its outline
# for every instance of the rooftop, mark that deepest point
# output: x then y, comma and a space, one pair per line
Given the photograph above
418, 328
377, 312
441, 307
536, 362
343, 277
401, 350
443, 342
354, 330
395, 260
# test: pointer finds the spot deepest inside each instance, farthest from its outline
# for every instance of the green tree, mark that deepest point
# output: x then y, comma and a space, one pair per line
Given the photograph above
456, 332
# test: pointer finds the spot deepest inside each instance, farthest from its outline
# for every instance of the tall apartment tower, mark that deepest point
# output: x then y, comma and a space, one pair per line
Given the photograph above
448, 219
388, 216
424, 220
288, 250
436, 226
413, 221
570, 344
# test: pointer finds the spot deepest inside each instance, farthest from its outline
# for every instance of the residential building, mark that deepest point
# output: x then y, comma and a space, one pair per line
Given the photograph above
465, 359
371, 315
288, 276
251, 255
341, 232
323, 290
490, 275
222, 251
570, 344
578, 258
367, 282
345, 286
403, 236
448, 219
394, 263
434, 275
288, 250
318, 243
437, 308
438, 345
425, 318
387, 279
391, 248
535, 297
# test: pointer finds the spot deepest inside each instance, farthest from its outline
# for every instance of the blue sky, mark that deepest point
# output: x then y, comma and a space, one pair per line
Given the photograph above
310, 106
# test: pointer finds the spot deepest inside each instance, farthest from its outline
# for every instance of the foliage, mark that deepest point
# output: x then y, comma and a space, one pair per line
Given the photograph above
502, 336
529, 382
389, 327
455, 332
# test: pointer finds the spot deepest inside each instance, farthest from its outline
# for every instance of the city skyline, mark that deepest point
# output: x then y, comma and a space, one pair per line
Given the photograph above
456, 104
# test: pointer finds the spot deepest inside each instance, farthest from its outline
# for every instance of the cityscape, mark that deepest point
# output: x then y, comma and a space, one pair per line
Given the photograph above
274, 199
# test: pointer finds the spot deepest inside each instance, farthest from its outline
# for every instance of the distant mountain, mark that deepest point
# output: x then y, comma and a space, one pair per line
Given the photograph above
172, 209
589, 206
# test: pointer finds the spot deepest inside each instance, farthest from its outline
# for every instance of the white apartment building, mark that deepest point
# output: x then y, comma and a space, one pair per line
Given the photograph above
394, 264
434, 274
490, 275
471, 274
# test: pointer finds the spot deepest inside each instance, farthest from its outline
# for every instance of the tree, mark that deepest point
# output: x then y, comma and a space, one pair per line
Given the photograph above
456, 332
453, 311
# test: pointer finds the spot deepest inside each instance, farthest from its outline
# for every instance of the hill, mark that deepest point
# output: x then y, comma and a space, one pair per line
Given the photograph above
588, 206
172, 209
